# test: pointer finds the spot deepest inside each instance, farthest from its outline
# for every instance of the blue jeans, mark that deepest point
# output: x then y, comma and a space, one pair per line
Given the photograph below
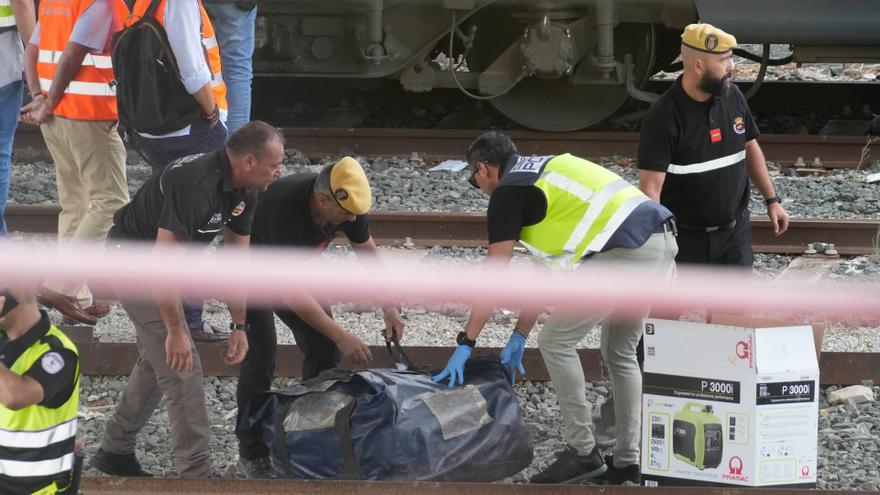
234, 29
10, 104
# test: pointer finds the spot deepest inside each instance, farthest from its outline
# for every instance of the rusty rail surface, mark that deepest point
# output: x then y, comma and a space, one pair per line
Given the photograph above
425, 229
117, 359
161, 486
439, 144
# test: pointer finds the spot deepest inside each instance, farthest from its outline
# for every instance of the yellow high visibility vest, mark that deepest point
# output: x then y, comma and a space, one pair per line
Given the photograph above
586, 204
45, 436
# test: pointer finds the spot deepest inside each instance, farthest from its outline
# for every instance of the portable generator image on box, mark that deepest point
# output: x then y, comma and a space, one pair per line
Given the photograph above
697, 436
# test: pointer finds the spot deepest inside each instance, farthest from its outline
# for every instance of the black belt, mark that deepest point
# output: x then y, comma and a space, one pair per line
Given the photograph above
708, 228
667, 225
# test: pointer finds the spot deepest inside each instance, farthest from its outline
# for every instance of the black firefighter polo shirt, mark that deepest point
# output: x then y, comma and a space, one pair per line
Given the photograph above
192, 197
701, 147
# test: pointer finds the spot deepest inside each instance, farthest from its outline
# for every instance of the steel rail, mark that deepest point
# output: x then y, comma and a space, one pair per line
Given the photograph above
117, 359
425, 229
163, 486
440, 144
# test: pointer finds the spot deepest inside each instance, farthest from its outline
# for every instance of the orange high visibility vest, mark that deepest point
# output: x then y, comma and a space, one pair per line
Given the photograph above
209, 45
89, 95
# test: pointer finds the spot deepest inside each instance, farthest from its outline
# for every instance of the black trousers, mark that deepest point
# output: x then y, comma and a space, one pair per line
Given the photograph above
319, 353
722, 247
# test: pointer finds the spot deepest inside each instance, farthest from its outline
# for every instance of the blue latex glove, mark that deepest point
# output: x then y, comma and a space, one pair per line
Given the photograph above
512, 354
455, 366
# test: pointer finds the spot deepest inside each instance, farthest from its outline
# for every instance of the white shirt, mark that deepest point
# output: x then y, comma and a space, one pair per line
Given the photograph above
183, 24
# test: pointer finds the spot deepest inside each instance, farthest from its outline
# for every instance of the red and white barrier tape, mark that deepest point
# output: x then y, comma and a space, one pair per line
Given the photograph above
267, 275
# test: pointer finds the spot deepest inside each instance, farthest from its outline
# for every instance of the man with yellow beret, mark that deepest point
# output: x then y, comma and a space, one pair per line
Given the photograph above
698, 151
305, 211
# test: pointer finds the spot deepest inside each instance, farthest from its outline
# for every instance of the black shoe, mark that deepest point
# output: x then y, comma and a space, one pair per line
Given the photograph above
619, 476
258, 468
118, 464
570, 467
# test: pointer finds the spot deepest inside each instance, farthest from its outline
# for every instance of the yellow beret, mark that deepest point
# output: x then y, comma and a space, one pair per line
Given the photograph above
349, 185
707, 38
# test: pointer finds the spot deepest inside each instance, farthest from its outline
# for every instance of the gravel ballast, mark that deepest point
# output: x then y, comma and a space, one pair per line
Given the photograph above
849, 436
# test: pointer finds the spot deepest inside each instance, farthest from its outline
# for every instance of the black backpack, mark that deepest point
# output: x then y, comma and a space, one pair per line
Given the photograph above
150, 96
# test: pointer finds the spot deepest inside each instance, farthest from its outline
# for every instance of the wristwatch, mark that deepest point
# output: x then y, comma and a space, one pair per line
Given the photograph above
244, 327
772, 199
462, 339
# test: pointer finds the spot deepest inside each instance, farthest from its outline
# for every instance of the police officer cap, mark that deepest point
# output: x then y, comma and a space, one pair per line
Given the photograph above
707, 38
349, 185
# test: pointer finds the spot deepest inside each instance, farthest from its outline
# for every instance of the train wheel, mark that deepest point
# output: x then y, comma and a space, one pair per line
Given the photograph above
556, 105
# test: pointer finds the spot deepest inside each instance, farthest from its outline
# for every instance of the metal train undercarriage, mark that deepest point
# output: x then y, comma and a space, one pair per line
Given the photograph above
554, 65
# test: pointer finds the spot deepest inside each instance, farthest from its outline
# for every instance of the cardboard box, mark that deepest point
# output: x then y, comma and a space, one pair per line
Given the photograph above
747, 321
729, 405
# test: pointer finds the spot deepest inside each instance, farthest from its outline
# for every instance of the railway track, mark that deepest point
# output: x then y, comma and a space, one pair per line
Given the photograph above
159, 486
440, 144
850, 237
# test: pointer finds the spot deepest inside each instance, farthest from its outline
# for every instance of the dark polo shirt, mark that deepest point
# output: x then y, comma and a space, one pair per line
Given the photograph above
283, 217
701, 147
192, 197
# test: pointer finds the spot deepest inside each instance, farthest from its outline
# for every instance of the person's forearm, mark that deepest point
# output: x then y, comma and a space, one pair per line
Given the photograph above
205, 97
527, 319
479, 316
25, 19
31, 56
14, 390
756, 167
172, 312
308, 309
68, 65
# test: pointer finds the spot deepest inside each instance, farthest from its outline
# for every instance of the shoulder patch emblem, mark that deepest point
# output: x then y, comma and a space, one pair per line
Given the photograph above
711, 42
52, 362
739, 125
239, 209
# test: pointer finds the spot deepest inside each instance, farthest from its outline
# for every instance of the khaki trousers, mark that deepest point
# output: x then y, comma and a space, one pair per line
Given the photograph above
90, 176
152, 378
620, 335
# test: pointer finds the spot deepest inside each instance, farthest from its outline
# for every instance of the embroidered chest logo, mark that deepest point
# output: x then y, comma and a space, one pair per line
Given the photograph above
715, 135
739, 125
216, 218
239, 209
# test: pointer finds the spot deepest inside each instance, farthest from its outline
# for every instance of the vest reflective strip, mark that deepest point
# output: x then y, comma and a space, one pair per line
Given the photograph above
7, 16
209, 42
616, 220
216, 79
597, 204
25, 469
38, 439
570, 186
698, 168
82, 88
98, 61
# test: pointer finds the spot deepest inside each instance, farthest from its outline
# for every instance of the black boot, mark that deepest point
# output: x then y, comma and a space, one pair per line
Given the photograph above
118, 464
570, 467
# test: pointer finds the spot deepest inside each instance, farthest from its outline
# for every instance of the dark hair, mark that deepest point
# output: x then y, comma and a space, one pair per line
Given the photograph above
252, 138
492, 147
322, 181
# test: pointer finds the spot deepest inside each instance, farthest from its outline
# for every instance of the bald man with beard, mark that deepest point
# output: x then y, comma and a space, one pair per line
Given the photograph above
698, 152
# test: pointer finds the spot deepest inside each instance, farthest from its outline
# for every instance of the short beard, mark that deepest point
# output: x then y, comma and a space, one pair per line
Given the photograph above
715, 87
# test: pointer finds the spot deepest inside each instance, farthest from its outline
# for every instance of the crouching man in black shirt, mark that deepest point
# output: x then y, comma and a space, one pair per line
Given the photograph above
189, 202
306, 211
